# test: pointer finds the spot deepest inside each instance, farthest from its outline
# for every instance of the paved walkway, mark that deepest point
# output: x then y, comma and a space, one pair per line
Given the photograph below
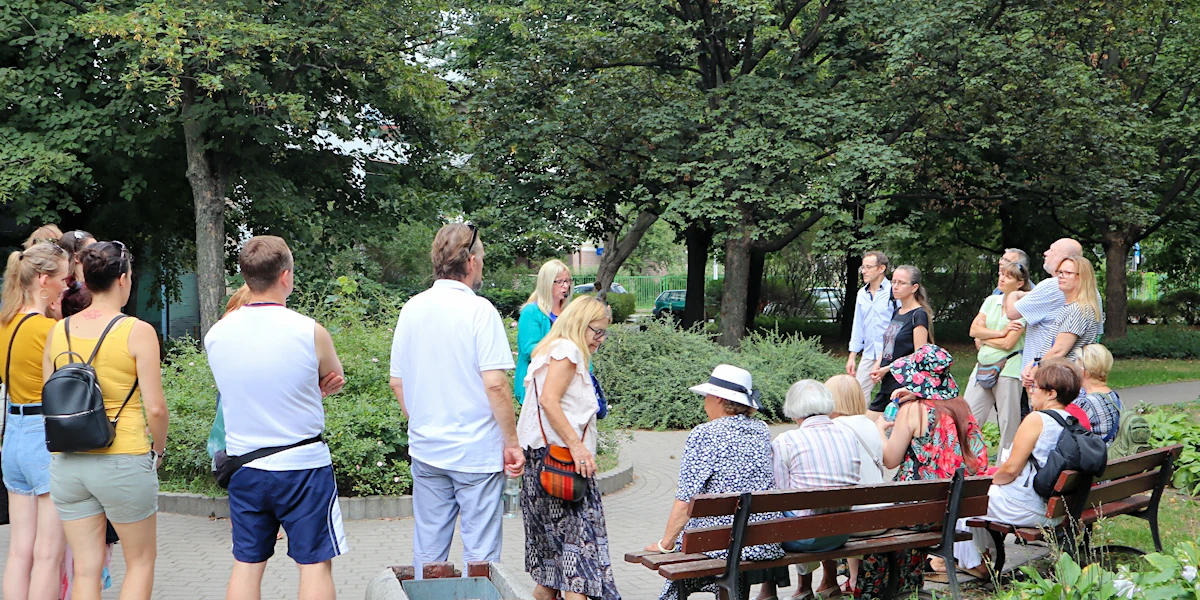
194, 558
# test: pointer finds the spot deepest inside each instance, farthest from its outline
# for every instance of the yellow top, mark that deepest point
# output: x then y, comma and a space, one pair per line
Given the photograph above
116, 370
27, 350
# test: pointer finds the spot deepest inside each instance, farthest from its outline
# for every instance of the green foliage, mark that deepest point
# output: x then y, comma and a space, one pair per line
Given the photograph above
1157, 341
1068, 582
1142, 311
1171, 575
623, 306
1183, 305
647, 372
1172, 427
1157, 576
364, 427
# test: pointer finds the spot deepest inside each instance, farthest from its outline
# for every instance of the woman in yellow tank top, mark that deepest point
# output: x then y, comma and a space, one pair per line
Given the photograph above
33, 279
120, 482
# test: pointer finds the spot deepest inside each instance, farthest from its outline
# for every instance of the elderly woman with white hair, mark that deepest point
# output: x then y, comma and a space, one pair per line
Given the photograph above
730, 453
817, 454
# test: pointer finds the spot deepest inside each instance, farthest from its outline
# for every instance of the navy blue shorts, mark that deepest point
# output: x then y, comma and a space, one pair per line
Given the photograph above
304, 502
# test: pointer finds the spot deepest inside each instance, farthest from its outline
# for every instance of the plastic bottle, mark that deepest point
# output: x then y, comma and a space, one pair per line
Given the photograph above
889, 413
512, 497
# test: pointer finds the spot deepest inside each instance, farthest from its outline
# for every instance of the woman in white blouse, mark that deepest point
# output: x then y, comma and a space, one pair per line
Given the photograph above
566, 544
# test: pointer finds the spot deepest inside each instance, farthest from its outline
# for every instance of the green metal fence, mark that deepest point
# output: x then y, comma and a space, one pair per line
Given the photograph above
644, 288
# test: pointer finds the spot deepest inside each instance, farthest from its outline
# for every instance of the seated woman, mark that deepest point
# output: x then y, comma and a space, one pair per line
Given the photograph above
730, 453
934, 434
817, 454
1099, 402
1012, 499
849, 408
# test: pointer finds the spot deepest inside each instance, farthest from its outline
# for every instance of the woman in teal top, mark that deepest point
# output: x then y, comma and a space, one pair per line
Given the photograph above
548, 300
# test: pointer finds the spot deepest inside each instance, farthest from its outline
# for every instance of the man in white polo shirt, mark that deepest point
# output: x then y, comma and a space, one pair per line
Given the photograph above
449, 357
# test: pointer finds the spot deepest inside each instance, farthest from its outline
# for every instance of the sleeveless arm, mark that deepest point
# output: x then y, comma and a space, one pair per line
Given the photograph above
47, 354
143, 346
329, 367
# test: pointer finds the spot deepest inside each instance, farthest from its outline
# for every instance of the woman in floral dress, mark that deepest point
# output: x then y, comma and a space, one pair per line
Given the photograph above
934, 434
730, 453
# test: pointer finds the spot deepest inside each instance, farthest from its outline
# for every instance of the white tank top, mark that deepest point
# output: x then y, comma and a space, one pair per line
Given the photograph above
264, 360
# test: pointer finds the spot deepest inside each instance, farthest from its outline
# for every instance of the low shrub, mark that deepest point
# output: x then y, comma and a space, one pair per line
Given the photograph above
1157, 341
1170, 426
647, 372
1183, 305
1143, 311
623, 306
1158, 575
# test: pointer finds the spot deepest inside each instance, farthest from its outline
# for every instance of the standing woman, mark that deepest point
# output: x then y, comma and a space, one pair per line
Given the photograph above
910, 329
566, 544
119, 482
1077, 323
999, 340
77, 297
33, 279
547, 302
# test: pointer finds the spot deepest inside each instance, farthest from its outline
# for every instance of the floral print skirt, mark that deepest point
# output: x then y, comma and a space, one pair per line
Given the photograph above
566, 545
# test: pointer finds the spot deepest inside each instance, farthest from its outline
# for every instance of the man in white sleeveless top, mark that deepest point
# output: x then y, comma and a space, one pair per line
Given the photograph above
449, 357
273, 366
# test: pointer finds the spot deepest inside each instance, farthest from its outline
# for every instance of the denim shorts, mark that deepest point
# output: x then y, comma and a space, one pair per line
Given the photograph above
123, 487
25, 460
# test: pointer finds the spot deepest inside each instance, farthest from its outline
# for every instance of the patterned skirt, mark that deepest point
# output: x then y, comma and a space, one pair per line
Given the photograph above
566, 545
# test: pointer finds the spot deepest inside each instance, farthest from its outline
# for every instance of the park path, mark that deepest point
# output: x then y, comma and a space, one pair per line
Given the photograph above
194, 557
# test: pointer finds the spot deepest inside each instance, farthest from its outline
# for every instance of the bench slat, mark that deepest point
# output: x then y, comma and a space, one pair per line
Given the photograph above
1120, 489
654, 561
716, 505
855, 547
1141, 462
1113, 509
707, 539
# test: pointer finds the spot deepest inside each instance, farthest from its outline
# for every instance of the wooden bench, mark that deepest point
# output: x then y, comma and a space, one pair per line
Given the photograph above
1130, 486
917, 503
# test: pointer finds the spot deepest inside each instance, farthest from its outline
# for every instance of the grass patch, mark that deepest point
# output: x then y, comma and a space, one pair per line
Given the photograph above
1178, 517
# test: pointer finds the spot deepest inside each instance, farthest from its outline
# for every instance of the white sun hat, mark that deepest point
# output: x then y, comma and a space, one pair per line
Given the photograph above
731, 383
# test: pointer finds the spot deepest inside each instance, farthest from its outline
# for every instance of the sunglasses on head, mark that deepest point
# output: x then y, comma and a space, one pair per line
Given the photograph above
474, 236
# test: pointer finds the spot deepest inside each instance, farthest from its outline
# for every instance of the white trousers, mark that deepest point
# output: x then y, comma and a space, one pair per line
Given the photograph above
863, 375
439, 497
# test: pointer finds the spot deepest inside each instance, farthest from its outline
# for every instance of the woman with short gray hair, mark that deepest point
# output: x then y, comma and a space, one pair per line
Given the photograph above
817, 454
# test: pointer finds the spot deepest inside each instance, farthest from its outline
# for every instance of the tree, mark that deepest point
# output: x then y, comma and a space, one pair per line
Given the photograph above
264, 94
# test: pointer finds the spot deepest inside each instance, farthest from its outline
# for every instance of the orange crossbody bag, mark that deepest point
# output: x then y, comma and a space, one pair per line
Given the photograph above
558, 475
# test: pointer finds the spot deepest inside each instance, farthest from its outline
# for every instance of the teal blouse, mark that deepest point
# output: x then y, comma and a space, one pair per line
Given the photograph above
532, 326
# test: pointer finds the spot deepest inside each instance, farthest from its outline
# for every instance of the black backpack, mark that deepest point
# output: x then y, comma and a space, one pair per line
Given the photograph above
73, 405
1077, 450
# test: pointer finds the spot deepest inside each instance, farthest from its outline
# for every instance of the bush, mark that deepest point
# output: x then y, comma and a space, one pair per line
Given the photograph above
1184, 305
1157, 341
647, 372
623, 306
506, 300
1142, 311
364, 427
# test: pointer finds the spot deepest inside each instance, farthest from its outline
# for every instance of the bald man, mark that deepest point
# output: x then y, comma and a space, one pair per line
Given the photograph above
1039, 306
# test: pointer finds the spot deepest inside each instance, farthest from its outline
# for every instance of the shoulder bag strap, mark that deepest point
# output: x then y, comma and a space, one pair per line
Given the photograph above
7, 367
1005, 359
238, 462
878, 461
103, 335
539, 416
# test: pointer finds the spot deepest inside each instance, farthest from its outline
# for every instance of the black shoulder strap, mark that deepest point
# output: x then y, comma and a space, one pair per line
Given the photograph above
245, 459
103, 335
1057, 417
7, 366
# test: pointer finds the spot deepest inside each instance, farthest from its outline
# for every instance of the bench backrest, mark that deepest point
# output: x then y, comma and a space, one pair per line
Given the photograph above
908, 503
1123, 477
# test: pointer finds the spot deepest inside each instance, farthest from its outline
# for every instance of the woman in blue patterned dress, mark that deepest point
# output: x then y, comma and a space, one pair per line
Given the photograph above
730, 453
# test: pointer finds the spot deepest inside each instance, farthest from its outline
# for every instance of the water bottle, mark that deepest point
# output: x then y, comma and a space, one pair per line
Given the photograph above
512, 497
889, 413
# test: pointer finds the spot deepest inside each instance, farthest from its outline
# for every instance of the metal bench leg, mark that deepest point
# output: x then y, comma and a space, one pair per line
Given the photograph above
893, 579
1001, 557
729, 584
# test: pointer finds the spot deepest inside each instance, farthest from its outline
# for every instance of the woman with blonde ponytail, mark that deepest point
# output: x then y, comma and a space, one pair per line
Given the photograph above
33, 280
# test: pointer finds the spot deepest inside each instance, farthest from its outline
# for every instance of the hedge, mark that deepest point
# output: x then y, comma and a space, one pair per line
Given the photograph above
1156, 341
646, 371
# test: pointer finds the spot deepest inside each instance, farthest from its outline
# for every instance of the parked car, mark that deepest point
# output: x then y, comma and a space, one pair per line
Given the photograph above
827, 302
590, 288
670, 303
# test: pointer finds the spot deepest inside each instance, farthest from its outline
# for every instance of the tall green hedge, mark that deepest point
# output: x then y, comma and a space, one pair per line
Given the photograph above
647, 370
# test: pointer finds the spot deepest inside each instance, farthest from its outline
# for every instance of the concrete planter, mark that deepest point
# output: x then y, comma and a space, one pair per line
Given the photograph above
511, 584
357, 508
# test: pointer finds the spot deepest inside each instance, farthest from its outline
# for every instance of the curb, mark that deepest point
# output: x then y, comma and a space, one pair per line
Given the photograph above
358, 508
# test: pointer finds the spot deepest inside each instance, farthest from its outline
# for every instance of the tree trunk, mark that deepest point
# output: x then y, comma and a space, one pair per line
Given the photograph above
208, 195
758, 261
1116, 303
616, 251
698, 241
737, 281
853, 282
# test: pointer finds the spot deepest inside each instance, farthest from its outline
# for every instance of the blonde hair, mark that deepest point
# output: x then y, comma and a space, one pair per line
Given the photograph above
1088, 295
543, 291
1097, 362
237, 300
848, 396
573, 324
46, 233
22, 271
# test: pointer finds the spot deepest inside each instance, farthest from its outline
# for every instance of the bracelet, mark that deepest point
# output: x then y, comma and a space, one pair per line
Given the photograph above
661, 549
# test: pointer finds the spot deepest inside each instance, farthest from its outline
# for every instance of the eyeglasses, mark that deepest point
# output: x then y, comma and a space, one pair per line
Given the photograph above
598, 334
1062, 274
562, 282
865, 268
474, 236
895, 283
